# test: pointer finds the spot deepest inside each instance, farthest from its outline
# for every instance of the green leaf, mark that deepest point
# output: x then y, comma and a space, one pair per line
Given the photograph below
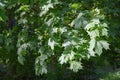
49, 22
89, 26
98, 48
104, 44
24, 8
51, 43
62, 30
100, 45
78, 22
94, 33
54, 30
22, 52
96, 20
68, 43
75, 66
45, 9
21, 59
2, 5
104, 32
91, 47
1, 19
40, 64
64, 58
75, 6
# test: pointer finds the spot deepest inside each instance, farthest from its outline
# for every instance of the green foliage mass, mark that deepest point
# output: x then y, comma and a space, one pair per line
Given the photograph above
38, 32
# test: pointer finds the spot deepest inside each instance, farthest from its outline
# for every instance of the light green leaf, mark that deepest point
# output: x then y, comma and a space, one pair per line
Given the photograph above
54, 30
105, 25
94, 33
1, 4
24, 8
96, 20
98, 48
21, 59
104, 44
100, 45
89, 25
97, 11
40, 64
51, 43
64, 58
1, 19
75, 66
104, 32
22, 52
78, 22
46, 8
49, 22
75, 6
62, 30
66, 44
91, 47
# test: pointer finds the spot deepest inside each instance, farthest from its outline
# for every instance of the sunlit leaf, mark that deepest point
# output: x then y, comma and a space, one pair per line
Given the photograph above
51, 43
104, 44
91, 47
98, 48
75, 66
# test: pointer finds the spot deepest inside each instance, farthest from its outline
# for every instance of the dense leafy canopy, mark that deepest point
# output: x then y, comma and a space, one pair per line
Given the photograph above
36, 32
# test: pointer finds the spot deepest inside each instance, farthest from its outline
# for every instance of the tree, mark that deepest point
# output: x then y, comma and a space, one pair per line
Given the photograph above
36, 32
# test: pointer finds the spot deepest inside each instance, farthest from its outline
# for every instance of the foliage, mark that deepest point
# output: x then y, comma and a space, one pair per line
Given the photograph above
112, 76
38, 32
